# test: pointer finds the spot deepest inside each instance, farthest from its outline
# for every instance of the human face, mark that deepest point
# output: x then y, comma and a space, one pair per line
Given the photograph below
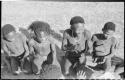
108, 33
78, 28
10, 36
43, 35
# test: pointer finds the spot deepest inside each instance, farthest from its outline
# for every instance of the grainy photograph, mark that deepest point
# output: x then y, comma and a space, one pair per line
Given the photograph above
62, 40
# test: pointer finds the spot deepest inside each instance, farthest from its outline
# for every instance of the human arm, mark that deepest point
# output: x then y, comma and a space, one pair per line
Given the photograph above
113, 48
31, 44
54, 53
5, 49
64, 41
89, 42
25, 46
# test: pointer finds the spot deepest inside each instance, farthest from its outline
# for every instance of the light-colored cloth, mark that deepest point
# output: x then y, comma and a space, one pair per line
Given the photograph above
108, 75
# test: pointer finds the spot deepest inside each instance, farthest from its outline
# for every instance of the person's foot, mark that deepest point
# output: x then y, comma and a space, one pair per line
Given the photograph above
24, 71
16, 72
66, 73
38, 72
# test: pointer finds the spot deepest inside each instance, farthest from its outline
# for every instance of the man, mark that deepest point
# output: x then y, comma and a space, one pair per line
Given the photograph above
76, 42
14, 44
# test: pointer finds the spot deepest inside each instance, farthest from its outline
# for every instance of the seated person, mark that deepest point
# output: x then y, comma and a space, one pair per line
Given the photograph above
14, 45
104, 45
42, 45
75, 43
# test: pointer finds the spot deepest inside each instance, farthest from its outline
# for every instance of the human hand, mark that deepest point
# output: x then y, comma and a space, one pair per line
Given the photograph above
99, 61
82, 58
81, 75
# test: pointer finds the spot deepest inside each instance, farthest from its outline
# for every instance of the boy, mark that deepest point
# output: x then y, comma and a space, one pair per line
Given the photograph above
104, 45
76, 42
14, 44
41, 45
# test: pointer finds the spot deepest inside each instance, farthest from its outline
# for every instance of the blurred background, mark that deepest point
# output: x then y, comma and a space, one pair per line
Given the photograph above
58, 15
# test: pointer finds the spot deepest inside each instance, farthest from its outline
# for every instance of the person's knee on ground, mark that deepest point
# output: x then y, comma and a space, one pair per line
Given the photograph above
68, 64
14, 65
38, 62
107, 64
6, 62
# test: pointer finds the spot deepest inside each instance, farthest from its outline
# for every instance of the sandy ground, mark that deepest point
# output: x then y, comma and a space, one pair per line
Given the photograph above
58, 15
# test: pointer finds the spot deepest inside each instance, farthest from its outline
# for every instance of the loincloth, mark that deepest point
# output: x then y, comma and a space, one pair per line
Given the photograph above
72, 56
99, 58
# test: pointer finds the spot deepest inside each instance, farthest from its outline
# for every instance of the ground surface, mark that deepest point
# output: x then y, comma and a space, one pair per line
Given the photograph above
58, 15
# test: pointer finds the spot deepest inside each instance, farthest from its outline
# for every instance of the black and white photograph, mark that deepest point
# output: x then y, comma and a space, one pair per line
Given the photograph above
62, 40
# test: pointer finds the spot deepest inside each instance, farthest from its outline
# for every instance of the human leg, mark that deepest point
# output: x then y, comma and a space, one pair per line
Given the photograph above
67, 66
14, 65
107, 64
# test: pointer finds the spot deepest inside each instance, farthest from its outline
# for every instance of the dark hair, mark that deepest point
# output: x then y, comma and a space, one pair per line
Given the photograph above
7, 28
38, 26
109, 26
76, 19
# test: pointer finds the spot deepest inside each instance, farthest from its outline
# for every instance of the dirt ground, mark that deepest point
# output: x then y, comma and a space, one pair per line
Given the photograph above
58, 15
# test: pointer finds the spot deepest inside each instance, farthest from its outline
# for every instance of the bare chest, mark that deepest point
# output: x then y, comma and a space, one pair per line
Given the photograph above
42, 48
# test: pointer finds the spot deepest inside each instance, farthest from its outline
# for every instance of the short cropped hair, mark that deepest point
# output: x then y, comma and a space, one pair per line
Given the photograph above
40, 25
6, 29
109, 26
76, 19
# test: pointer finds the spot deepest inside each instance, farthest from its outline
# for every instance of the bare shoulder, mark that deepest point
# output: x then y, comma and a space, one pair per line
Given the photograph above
51, 39
67, 32
87, 33
21, 36
114, 40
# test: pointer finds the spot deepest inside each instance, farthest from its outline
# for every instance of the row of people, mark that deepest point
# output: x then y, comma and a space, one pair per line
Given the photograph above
77, 42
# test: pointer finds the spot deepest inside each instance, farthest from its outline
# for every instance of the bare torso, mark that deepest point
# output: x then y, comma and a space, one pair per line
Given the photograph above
102, 46
43, 48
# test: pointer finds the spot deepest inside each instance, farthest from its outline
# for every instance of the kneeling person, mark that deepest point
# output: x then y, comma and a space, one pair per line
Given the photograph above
42, 45
104, 45
76, 42
14, 44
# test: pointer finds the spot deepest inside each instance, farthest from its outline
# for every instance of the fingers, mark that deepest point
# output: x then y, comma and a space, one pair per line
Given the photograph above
81, 73
102, 61
95, 60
